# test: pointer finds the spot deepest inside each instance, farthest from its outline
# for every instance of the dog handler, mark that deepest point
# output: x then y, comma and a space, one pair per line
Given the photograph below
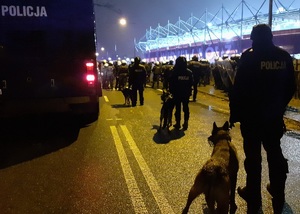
264, 85
137, 79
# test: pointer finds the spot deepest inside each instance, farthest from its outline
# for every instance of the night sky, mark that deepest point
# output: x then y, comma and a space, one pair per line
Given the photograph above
141, 14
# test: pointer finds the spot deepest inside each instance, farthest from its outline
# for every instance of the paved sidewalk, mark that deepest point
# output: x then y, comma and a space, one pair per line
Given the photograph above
292, 113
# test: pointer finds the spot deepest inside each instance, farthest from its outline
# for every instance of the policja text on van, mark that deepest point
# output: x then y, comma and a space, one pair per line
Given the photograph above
20, 11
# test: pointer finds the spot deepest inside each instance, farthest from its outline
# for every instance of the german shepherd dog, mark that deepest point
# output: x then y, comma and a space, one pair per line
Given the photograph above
166, 111
127, 93
217, 178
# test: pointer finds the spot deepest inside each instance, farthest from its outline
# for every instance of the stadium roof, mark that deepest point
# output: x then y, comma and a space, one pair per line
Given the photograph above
223, 26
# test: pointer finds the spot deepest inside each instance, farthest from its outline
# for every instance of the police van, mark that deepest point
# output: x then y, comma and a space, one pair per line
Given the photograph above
48, 58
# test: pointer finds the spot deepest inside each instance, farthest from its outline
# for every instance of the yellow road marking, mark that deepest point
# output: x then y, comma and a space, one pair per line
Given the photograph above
106, 99
134, 191
161, 200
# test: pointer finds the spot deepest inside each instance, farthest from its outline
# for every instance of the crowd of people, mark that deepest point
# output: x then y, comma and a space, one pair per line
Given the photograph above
115, 74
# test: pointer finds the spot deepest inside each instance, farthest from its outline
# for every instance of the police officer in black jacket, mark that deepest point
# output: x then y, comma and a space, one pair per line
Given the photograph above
181, 83
195, 66
264, 85
137, 79
123, 75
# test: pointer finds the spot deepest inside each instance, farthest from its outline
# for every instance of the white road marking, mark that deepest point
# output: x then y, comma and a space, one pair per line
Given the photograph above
161, 200
134, 191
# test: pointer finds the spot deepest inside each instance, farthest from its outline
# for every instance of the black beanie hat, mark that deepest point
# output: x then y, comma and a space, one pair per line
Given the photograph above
261, 32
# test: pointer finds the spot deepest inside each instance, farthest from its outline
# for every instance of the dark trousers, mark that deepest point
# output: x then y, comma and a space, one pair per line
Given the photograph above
122, 81
195, 88
266, 135
156, 78
137, 89
117, 83
185, 107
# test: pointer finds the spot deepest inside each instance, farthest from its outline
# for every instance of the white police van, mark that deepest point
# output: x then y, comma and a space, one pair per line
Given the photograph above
47, 58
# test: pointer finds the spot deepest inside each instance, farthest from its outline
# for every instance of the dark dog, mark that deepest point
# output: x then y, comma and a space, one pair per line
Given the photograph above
217, 179
127, 93
166, 111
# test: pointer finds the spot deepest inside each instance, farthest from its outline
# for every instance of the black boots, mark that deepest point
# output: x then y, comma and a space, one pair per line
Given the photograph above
185, 125
277, 201
177, 126
253, 206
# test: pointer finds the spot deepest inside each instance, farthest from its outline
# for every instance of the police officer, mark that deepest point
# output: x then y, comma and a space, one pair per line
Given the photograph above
156, 71
181, 83
195, 66
206, 71
148, 69
110, 74
166, 73
117, 65
137, 79
264, 85
105, 71
123, 75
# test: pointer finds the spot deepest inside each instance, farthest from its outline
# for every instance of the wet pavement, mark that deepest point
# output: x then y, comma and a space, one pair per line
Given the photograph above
207, 96
218, 100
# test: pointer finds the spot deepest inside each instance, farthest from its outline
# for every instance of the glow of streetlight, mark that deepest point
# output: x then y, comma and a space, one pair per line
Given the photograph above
123, 21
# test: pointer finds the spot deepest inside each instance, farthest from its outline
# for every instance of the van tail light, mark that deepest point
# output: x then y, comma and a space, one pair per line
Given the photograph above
90, 74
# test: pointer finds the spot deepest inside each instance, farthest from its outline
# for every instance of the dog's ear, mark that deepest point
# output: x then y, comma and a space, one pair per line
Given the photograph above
215, 125
226, 126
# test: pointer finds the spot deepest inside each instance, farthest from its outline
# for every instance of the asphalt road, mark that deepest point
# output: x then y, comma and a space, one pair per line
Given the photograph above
120, 163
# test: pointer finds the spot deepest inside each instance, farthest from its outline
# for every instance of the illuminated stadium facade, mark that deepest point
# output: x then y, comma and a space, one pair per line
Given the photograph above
213, 35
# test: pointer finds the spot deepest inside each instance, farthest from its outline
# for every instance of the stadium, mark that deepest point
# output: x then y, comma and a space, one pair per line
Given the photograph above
211, 36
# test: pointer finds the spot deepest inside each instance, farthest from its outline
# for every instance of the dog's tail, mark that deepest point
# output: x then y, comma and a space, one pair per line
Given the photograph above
215, 175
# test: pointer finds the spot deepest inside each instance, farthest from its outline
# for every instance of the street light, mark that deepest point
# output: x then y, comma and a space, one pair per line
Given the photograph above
102, 49
122, 21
